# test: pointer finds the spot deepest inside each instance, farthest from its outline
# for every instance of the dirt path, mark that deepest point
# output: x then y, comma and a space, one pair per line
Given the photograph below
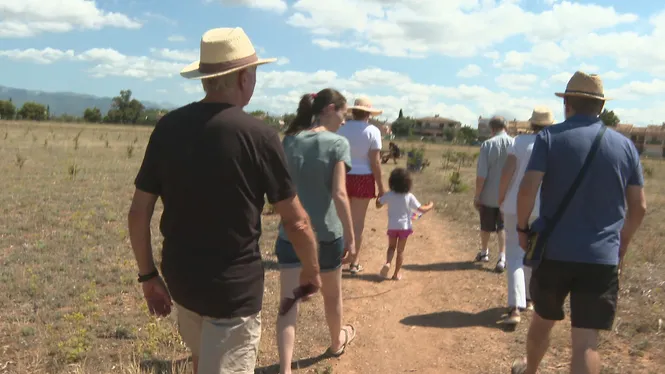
441, 318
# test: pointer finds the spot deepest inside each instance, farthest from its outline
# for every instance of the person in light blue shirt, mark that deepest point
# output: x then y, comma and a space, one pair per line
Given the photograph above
492, 158
585, 251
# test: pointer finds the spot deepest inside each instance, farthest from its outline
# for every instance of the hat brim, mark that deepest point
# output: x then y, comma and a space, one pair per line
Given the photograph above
372, 111
191, 71
576, 94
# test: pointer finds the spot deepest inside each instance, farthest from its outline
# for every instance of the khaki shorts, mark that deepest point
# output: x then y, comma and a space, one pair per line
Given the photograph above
225, 346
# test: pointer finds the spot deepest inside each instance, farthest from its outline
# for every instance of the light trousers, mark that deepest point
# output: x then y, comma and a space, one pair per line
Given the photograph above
519, 275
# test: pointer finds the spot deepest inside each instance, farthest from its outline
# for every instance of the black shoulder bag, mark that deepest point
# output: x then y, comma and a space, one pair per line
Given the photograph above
537, 243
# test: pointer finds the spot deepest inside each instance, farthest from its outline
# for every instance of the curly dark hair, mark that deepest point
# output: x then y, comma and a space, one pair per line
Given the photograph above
400, 181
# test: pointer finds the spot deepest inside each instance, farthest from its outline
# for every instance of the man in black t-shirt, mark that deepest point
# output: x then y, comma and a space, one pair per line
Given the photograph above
212, 165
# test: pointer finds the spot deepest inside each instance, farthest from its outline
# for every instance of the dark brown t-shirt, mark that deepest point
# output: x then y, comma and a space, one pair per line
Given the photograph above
212, 164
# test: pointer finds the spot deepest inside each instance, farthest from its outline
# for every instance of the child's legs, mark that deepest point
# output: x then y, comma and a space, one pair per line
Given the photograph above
401, 244
392, 245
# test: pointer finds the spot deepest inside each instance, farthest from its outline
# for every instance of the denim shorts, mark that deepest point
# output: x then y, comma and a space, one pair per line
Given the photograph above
330, 254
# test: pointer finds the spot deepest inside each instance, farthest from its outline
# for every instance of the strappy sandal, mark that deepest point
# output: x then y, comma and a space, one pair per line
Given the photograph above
356, 268
349, 335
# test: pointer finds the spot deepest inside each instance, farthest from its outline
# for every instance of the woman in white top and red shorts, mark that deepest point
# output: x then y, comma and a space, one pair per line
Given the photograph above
365, 176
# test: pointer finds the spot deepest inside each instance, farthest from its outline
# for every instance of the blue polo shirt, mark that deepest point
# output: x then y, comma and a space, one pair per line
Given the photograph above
589, 230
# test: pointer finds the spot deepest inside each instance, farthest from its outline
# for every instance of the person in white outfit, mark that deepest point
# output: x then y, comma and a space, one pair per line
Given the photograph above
511, 176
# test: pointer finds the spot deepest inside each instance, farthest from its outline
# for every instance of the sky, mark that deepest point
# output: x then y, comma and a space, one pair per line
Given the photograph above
459, 59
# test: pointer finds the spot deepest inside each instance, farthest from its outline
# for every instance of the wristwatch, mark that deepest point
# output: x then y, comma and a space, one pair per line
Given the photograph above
523, 231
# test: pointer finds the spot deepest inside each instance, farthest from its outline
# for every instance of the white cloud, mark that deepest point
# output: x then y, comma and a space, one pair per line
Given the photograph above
561, 78
631, 50
637, 90
176, 55
327, 43
106, 62
176, 38
494, 55
469, 71
27, 18
161, 18
282, 61
588, 68
416, 27
280, 91
278, 6
546, 54
44, 56
650, 115
518, 82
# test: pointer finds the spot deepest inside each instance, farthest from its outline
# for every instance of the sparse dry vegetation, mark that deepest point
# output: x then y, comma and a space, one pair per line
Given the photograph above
70, 302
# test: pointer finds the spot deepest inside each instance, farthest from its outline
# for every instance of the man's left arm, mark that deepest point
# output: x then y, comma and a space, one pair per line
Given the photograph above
482, 170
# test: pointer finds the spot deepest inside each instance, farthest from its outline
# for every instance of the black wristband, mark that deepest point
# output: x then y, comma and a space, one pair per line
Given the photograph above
524, 231
149, 276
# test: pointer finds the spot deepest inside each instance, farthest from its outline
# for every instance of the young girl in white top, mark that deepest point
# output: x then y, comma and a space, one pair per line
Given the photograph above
401, 206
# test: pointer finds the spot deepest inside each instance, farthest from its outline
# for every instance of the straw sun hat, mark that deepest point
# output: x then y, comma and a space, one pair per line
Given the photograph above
223, 51
584, 85
364, 104
541, 116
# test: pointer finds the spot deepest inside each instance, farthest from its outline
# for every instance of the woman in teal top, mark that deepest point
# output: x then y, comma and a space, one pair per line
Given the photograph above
318, 161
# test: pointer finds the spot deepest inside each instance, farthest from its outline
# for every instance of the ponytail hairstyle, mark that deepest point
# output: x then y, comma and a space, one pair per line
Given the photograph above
312, 105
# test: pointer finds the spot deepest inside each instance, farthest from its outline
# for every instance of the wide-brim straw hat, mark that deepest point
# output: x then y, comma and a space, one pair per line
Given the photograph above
541, 116
223, 51
365, 104
585, 85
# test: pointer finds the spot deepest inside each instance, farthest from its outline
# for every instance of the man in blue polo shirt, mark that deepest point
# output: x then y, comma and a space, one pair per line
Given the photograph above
586, 248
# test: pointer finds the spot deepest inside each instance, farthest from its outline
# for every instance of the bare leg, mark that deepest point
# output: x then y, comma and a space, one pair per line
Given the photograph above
586, 359
484, 240
537, 342
331, 290
401, 245
392, 244
358, 213
286, 324
501, 241
390, 253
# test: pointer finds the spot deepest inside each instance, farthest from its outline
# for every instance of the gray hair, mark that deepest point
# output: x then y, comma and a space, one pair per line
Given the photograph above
223, 82
498, 123
219, 83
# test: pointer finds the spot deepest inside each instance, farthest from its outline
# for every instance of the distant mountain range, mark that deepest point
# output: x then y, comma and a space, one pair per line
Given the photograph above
67, 102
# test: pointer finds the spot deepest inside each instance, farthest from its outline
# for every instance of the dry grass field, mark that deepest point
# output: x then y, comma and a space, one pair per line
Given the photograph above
69, 301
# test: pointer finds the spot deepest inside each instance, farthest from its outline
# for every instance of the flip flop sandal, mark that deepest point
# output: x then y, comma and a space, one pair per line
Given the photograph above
355, 269
348, 338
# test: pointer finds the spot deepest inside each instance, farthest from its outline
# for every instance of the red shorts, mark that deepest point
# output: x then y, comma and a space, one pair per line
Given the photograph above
361, 186
400, 234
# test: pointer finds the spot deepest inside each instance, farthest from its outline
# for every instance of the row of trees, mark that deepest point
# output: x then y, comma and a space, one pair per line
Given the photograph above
124, 110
